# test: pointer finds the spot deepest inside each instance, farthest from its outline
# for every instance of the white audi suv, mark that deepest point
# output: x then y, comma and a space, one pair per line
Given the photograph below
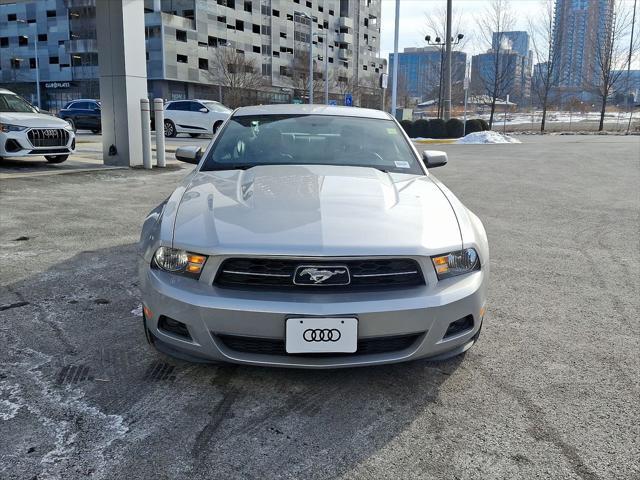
26, 132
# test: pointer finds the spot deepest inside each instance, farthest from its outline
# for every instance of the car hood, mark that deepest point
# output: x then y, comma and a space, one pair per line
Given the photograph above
314, 210
39, 120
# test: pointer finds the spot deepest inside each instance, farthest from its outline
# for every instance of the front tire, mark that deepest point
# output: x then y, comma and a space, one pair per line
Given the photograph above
56, 158
169, 129
73, 124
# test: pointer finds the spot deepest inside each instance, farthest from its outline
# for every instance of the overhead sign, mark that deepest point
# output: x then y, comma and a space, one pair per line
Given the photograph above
348, 100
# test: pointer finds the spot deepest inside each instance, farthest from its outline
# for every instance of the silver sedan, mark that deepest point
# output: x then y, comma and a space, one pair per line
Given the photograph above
316, 237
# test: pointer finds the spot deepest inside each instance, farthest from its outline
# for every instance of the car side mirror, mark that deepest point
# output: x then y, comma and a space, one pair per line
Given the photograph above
434, 158
189, 154
204, 110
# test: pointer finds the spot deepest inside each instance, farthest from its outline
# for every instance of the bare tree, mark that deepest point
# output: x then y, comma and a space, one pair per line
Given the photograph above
436, 22
237, 72
611, 55
547, 56
300, 75
498, 76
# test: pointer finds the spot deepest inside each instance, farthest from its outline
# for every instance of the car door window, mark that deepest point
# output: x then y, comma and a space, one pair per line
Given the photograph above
195, 106
181, 106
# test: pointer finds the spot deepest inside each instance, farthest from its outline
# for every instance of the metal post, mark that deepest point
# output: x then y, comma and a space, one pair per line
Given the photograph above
158, 108
37, 68
464, 124
447, 80
146, 133
394, 87
633, 26
326, 69
504, 126
310, 60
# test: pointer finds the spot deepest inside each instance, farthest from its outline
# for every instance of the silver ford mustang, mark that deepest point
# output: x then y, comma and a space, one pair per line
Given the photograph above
312, 236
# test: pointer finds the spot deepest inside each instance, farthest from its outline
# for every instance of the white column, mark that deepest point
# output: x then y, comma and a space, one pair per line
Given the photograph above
158, 108
123, 79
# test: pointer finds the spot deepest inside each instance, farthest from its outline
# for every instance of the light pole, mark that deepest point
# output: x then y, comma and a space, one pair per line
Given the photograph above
304, 15
394, 87
37, 60
447, 44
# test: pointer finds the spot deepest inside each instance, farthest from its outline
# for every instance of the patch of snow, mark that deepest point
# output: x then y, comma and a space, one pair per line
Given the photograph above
488, 136
137, 312
9, 406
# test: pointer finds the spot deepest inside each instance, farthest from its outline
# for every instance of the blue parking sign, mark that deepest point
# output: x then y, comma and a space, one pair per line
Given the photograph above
333, 103
348, 100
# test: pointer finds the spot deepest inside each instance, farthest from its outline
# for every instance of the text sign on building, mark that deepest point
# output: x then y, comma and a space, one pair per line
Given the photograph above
54, 85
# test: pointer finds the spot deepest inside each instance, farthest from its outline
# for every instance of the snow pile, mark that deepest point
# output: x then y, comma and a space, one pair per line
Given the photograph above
488, 136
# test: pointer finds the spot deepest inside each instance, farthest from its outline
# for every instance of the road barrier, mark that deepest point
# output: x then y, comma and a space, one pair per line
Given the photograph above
158, 109
146, 133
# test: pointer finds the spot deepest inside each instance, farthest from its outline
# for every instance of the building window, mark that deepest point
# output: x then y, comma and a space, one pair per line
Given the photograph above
266, 49
23, 40
188, 14
203, 64
248, 7
182, 59
32, 63
330, 59
4, 42
42, 37
213, 42
240, 25
320, 8
51, 13
283, 35
309, 4
276, 13
256, 49
15, 63
276, 53
222, 19
330, 12
54, 60
284, 71
181, 36
266, 69
256, 28
12, 17
266, 29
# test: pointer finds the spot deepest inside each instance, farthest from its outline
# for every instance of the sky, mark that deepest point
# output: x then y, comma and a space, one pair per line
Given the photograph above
413, 27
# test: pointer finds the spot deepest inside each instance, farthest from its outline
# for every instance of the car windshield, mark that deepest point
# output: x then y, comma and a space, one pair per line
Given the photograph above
10, 103
216, 107
249, 141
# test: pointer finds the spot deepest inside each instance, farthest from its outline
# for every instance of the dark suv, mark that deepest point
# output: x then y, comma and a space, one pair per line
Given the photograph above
82, 115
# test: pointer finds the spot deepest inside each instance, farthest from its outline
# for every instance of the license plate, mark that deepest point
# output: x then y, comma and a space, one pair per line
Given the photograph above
322, 335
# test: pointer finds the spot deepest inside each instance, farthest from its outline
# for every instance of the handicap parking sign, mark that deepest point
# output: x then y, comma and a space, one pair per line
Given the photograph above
348, 100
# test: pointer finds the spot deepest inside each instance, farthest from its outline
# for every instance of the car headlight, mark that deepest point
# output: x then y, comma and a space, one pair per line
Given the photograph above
68, 127
456, 263
6, 128
178, 261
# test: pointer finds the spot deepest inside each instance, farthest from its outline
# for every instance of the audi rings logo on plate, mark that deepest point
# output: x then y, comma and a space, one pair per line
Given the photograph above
321, 335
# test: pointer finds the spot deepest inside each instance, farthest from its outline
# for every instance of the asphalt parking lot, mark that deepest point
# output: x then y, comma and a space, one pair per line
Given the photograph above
550, 391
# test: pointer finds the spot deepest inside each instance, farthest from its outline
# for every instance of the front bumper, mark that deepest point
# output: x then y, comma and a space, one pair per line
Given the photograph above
211, 314
17, 144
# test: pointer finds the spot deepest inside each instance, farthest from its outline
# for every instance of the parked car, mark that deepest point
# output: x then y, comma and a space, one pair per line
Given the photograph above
195, 117
312, 236
26, 132
83, 114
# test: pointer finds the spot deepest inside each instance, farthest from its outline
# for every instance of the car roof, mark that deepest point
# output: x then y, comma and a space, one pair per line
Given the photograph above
83, 100
4, 90
295, 109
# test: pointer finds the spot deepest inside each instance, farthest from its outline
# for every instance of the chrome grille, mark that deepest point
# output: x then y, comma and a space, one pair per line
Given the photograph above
275, 273
48, 137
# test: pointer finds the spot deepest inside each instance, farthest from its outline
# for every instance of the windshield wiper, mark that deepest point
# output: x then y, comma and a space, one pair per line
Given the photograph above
230, 167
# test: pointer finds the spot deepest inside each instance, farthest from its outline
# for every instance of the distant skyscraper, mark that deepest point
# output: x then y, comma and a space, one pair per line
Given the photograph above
578, 26
419, 70
517, 42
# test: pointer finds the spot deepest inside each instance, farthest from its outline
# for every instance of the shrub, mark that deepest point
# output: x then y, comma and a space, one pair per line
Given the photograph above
437, 128
472, 126
407, 126
421, 128
485, 125
454, 128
